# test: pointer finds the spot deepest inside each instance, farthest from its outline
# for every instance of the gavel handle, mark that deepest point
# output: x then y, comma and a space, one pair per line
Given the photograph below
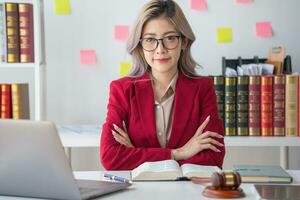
198, 180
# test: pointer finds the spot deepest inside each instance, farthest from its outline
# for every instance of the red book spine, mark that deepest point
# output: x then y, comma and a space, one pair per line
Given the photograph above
254, 105
5, 101
267, 105
279, 105
26, 32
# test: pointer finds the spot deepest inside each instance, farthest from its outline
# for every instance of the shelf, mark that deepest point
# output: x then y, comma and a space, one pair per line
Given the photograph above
255, 141
18, 65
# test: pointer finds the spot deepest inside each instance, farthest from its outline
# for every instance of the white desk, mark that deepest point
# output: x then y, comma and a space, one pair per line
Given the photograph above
89, 136
160, 190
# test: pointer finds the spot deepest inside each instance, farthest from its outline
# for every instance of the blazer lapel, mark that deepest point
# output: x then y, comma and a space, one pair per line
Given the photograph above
183, 104
145, 103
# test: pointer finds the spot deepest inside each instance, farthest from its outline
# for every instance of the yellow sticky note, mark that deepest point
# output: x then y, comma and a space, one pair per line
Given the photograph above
124, 68
62, 7
224, 35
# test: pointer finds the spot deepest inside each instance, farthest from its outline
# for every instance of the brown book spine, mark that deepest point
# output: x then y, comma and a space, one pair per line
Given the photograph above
279, 105
26, 32
12, 32
242, 105
291, 105
254, 106
267, 105
5, 101
230, 106
20, 101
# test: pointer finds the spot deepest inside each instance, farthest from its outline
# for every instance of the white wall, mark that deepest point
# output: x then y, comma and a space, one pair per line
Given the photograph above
78, 94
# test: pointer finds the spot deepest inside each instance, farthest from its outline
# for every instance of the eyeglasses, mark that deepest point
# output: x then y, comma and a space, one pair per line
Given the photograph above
169, 42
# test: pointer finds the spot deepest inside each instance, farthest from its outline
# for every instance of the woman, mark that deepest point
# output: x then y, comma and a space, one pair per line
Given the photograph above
163, 109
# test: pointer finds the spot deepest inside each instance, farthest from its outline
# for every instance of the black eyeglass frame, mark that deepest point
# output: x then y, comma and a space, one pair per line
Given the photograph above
162, 42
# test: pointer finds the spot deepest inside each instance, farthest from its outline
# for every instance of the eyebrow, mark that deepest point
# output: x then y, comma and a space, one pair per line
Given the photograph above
153, 34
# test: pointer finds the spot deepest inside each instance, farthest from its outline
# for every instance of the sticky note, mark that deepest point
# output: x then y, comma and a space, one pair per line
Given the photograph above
88, 57
124, 68
121, 32
264, 29
199, 5
62, 7
224, 35
244, 1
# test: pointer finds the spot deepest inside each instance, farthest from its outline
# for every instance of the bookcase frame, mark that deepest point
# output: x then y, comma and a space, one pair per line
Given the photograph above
38, 66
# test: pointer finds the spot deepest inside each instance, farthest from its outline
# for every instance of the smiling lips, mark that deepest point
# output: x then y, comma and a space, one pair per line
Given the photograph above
162, 60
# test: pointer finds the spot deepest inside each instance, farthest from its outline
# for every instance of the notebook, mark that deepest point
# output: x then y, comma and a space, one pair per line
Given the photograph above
33, 164
263, 174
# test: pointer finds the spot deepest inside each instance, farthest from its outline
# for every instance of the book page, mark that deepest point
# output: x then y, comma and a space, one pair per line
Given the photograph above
202, 171
160, 170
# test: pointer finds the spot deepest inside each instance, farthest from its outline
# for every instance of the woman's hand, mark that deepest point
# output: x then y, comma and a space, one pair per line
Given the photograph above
199, 142
121, 135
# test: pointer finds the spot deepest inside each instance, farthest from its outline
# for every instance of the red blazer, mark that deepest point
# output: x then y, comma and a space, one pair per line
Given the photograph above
132, 100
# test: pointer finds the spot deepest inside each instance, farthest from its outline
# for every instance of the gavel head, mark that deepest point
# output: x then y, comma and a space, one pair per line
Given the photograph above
226, 180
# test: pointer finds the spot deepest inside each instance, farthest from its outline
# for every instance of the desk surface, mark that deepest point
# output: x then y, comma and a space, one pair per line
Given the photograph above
163, 190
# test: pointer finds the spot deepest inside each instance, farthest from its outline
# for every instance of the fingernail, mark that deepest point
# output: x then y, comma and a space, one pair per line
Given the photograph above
113, 132
115, 126
218, 151
208, 117
220, 136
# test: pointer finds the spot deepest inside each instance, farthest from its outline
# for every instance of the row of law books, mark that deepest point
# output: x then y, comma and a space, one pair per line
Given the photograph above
14, 101
266, 105
16, 33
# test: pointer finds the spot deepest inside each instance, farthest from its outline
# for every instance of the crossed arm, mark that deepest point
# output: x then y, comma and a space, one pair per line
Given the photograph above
119, 153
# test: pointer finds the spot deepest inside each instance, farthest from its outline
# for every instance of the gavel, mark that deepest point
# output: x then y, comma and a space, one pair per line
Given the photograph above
222, 180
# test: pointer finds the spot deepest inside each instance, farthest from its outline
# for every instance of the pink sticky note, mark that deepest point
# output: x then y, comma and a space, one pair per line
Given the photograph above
199, 5
88, 57
121, 32
244, 1
264, 29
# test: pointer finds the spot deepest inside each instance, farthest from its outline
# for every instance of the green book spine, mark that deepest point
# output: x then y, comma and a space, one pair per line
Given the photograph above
219, 89
242, 105
230, 106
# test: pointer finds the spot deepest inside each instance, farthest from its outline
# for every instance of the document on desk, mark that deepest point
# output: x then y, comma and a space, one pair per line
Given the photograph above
86, 129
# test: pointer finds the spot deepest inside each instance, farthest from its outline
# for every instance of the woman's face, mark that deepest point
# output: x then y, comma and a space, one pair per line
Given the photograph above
164, 58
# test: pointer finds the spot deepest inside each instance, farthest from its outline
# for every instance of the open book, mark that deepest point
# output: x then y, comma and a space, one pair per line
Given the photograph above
170, 170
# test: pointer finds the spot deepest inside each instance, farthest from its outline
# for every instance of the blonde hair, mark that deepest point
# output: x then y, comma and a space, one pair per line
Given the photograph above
172, 11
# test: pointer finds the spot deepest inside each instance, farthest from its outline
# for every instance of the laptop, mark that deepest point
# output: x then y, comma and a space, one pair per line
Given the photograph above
33, 164
278, 192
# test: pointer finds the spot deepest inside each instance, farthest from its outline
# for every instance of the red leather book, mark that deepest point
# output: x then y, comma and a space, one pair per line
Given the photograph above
5, 101
254, 105
267, 105
26, 32
279, 105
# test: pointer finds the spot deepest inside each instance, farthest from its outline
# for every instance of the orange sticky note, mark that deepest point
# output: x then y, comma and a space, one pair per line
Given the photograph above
124, 68
224, 35
264, 29
244, 1
199, 5
121, 32
62, 7
88, 57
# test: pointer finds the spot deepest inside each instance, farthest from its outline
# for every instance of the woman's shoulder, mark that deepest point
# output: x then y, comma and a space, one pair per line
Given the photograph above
201, 79
128, 82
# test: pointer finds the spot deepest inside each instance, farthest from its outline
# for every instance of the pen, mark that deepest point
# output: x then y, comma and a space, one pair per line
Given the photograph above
116, 178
